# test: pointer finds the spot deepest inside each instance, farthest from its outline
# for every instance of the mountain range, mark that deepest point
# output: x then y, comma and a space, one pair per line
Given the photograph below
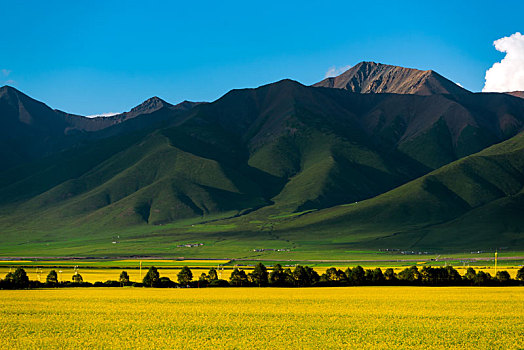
378, 157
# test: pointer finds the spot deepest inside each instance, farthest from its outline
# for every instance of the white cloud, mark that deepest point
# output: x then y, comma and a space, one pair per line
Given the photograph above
101, 115
334, 71
5, 73
508, 74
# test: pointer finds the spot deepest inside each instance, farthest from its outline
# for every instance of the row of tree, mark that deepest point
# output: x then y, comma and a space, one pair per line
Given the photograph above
304, 276
300, 276
19, 280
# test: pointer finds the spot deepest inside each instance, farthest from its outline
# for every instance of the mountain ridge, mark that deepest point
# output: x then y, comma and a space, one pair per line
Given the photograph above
371, 77
516, 93
31, 129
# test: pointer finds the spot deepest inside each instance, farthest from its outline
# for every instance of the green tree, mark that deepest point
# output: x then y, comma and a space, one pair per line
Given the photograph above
290, 280
238, 278
334, 277
482, 278
259, 276
151, 278
438, 276
390, 275
165, 282
503, 276
312, 275
377, 277
204, 278
300, 276
212, 275
20, 279
77, 278
52, 277
304, 276
278, 276
185, 276
9, 278
357, 276
428, 275
410, 274
470, 275
124, 278
453, 275
368, 276
520, 274
332, 274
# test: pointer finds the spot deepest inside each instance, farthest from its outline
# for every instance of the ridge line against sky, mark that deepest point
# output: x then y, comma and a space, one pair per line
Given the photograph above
100, 57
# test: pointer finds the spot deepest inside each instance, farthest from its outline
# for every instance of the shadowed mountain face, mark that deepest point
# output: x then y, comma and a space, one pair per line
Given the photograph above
280, 148
371, 77
30, 129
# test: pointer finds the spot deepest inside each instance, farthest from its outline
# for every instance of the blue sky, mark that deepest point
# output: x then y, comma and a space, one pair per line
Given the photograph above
91, 57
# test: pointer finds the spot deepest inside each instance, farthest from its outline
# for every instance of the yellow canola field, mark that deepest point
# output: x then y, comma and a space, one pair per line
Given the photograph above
264, 318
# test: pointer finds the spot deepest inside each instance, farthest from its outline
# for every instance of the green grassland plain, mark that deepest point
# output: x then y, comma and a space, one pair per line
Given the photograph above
230, 240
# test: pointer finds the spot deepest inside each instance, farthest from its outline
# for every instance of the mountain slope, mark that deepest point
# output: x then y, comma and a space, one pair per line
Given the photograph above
299, 147
29, 128
371, 77
151, 182
327, 168
474, 202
